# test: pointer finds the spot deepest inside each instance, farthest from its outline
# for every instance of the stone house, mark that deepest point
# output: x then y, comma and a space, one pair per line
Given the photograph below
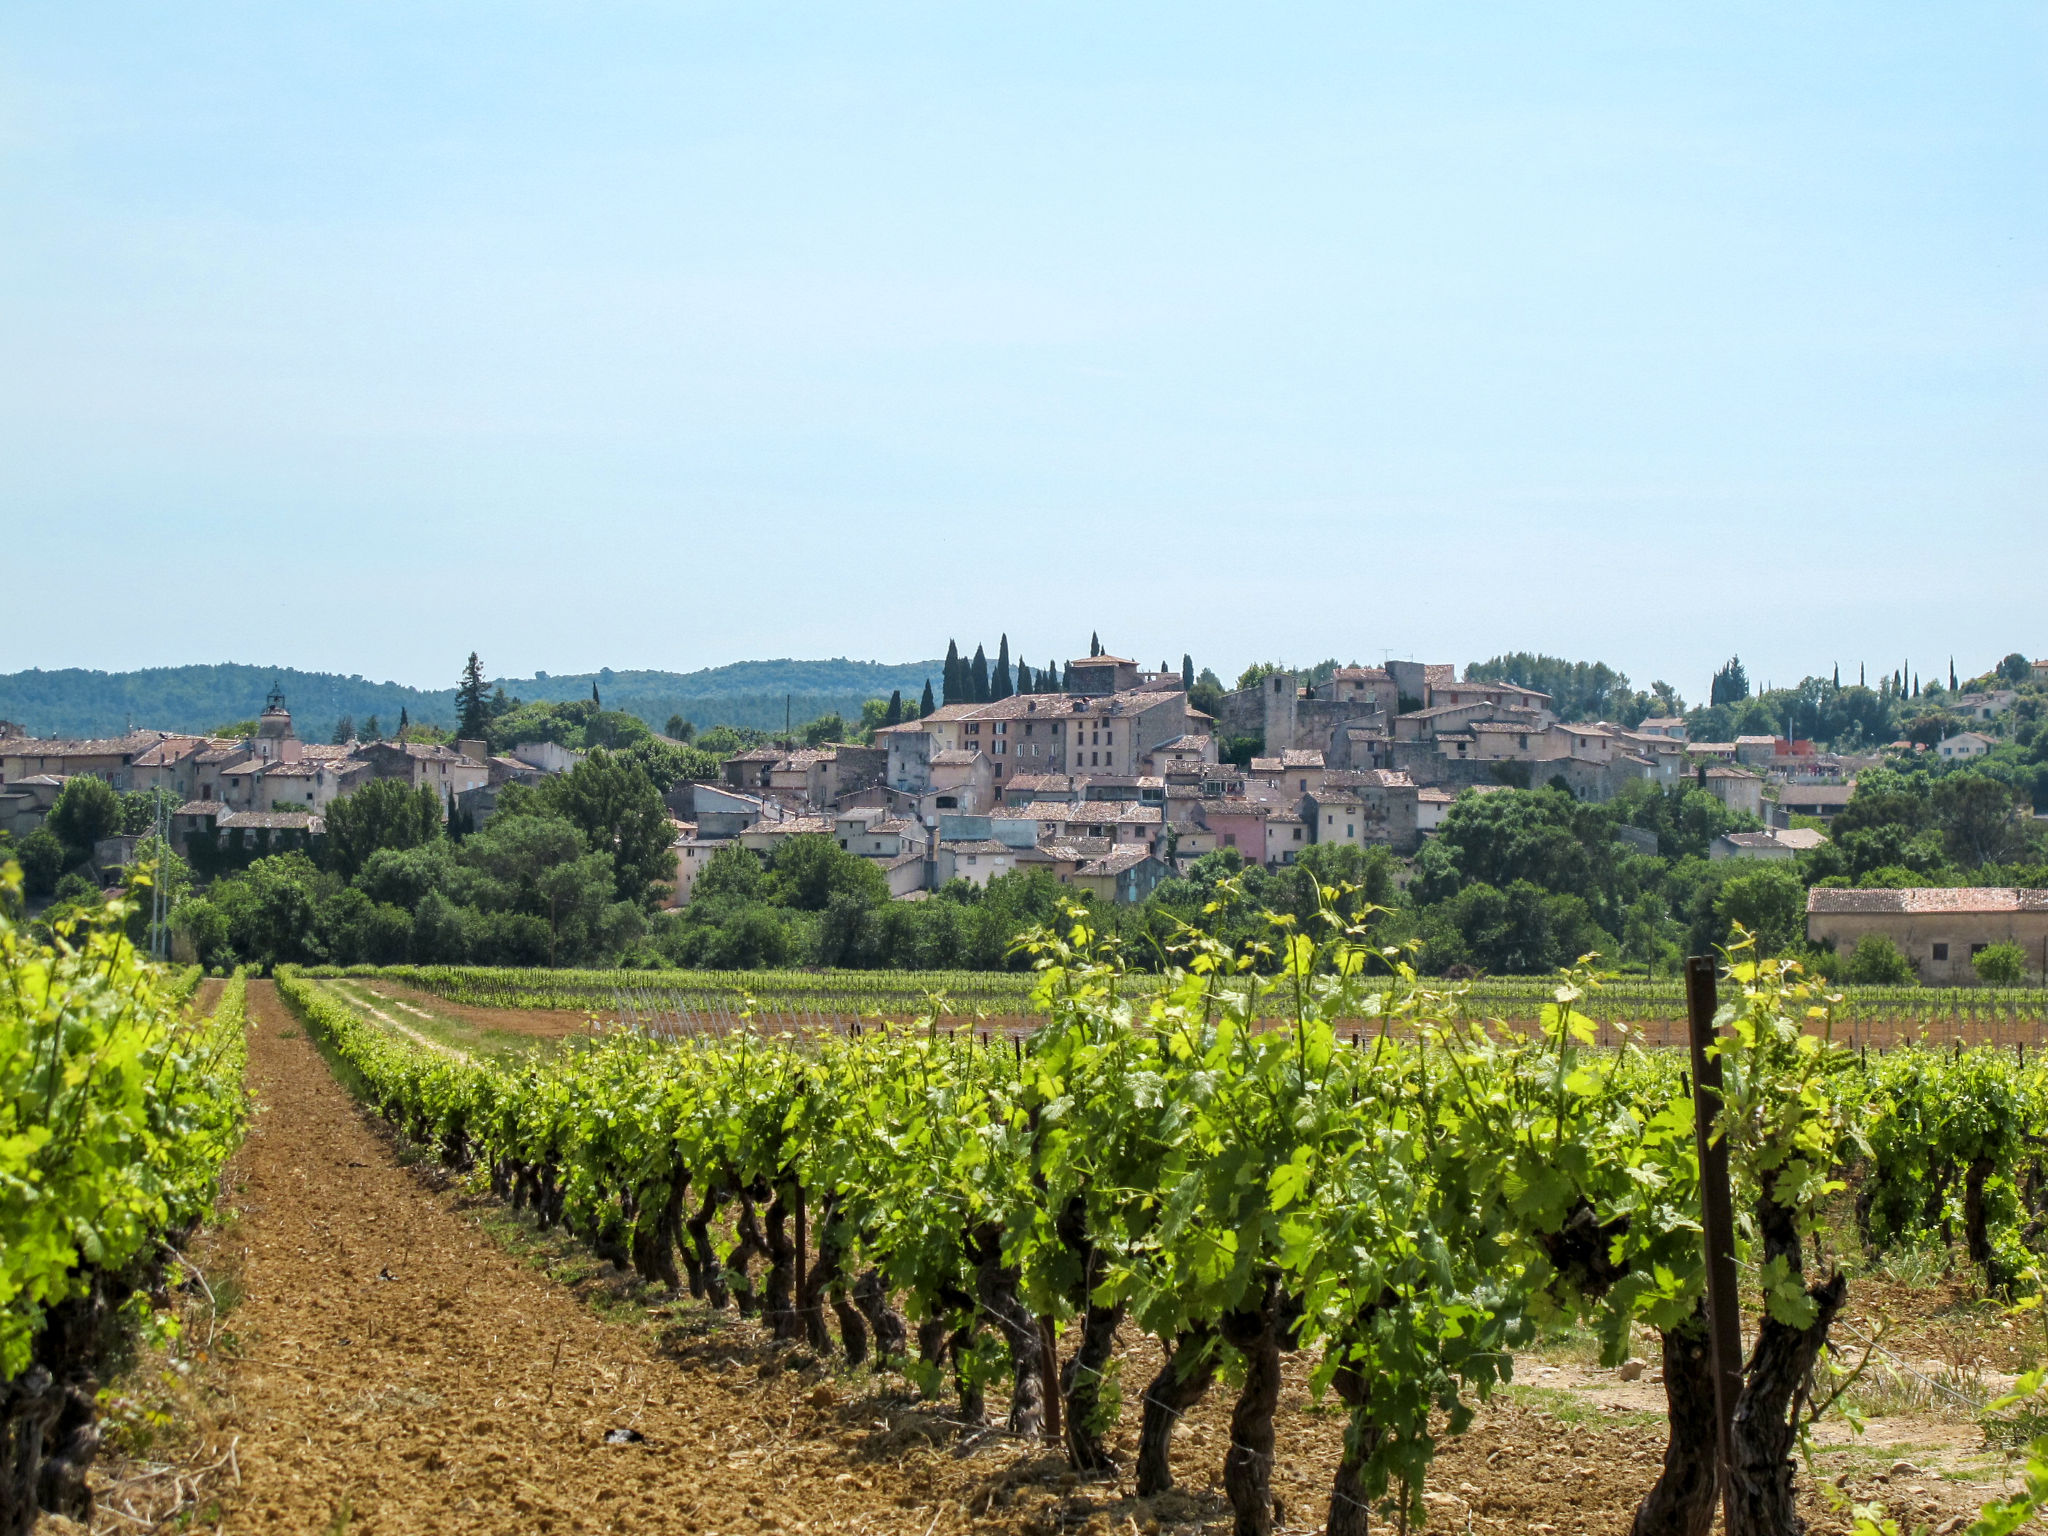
1239, 824
1736, 788
424, 765
1965, 745
1938, 928
1773, 846
1124, 876
1286, 837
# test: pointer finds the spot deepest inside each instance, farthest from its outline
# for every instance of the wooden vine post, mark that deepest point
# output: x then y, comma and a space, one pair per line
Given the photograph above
1717, 1219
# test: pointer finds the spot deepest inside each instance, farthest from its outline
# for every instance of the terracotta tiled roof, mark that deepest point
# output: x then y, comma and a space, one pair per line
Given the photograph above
1928, 899
1115, 862
273, 821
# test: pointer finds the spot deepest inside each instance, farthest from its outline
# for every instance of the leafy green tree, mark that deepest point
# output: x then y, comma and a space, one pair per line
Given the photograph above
1207, 694
1978, 817
620, 813
472, 702
734, 874
371, 731
344, 730
41, 858
825, 728
1877, 961
1578, 690
680, 729
810, 870
2015, 669
199, 928
384, 813
2000, 965
1769, 901
273, 909
139, 810
86, 810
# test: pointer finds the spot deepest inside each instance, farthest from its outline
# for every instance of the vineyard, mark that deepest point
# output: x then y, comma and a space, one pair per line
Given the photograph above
689, 1002
118, 1107
1243, 1167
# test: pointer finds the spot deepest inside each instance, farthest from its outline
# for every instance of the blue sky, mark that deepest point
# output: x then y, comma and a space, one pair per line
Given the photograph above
355, 337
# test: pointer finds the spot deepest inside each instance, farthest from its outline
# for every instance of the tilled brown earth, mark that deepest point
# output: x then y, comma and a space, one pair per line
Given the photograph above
401, 1373
399, 1370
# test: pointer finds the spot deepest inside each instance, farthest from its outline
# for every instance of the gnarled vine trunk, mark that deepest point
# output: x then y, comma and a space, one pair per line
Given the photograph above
1350, 1508
1190, 1367
706, 1271
778, 1308
823, 1279
1682, 1500
1081, 1383
871, 1296
996, 1288
751, 1246
1760, 1501
1254, 1332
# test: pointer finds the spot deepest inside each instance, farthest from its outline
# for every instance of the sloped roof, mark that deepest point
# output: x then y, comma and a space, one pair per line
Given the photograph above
1970, 899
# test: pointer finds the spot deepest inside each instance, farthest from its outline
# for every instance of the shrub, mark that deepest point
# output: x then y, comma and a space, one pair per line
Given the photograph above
2000, 965
1877, 961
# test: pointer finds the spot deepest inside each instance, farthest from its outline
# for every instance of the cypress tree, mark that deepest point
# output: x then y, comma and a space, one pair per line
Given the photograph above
977, 678
893, 715
1023, 676
925, 705
999, 680
953, 685
1951, 674
1187, 673
1838, 677
593, 694
1094, 643
404, 722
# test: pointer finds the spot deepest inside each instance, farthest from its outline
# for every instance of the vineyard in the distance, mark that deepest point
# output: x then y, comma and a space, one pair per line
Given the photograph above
1243, 1167
690, 1001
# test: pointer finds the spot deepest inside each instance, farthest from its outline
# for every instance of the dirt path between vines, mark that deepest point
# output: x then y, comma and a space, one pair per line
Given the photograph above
401, 1373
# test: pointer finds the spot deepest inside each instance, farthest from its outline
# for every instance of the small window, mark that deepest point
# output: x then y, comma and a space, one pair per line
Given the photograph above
1941, 951
1978, 949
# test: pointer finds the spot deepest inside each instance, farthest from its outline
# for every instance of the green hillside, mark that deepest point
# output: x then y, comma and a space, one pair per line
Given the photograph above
76, 702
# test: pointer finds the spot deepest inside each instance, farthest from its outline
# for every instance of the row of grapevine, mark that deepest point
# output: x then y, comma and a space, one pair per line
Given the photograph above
1881, 1015
1407, 1207
118, 1107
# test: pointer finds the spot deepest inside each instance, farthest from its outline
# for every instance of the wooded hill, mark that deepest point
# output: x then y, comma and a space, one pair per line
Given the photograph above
76, 702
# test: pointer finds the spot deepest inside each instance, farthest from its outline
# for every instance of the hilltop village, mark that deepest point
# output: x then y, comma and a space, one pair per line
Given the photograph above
1102, 778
